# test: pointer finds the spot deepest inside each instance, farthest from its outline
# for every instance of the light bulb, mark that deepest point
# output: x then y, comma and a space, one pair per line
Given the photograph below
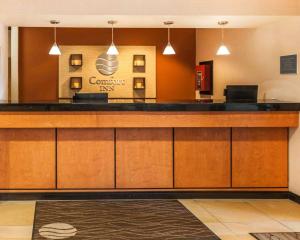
223, 50
169, 50
112, 50
55, 50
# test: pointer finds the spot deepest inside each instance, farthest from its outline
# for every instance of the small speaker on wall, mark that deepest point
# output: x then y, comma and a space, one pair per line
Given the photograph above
75, 83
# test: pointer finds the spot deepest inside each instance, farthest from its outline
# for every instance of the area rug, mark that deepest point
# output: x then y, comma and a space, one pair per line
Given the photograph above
277, 236
117, 220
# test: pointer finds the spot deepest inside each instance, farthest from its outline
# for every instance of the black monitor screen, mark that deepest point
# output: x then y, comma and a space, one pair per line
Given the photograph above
241, 93
90, 97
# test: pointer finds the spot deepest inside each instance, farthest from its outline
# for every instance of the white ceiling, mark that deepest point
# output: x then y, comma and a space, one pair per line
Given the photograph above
146, 13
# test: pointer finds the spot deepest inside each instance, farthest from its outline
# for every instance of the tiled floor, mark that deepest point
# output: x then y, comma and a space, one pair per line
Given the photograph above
16, 220
234, 219
229, 219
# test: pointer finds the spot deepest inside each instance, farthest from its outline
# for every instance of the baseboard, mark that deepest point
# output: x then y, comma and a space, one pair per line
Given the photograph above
148, 195
294, 197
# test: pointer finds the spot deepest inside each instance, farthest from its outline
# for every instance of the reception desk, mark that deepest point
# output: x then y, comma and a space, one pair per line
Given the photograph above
145, 146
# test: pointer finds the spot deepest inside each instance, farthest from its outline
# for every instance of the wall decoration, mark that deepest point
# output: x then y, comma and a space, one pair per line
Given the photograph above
75, 83
139, 63
288, 64
75, 60
108, 74
139, 83
107, 64
204, 77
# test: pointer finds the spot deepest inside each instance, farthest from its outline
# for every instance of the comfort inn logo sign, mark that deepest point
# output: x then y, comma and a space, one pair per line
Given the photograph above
113, 74
107, 64
106, 85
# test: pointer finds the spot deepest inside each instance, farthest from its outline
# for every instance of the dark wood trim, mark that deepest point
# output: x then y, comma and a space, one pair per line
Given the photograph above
149, 119
231, 157
288, 154
294, 197
173, 155
64, 98
207, 189
56, 156
115, 158
148, 195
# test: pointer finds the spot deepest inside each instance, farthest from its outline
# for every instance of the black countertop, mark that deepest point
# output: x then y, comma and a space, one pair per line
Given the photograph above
148, 105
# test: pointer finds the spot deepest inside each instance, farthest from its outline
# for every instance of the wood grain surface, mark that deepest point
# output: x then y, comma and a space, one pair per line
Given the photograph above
147, 119
85, 158
27, 158
202, 157
144, 158
260, 157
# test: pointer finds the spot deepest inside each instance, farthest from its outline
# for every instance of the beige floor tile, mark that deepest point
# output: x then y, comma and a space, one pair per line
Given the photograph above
16, 232
244, 237
5, 238
254, 227
198, 211
292, 225
226, 237
281, 210
233, 211
16, 213
219, 229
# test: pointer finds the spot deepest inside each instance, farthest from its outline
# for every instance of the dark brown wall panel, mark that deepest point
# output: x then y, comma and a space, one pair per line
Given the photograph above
39, 71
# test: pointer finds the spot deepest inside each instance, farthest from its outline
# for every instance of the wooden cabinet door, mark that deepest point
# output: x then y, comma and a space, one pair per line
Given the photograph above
144, 158
27, 158
85, 158
202, 157
260, 157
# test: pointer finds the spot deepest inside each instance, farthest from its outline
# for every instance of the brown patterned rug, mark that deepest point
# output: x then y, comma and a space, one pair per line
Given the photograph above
117, 220
277, 236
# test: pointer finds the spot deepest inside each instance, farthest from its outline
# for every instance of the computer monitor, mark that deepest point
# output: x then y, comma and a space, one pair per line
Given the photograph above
241, 93
90, 97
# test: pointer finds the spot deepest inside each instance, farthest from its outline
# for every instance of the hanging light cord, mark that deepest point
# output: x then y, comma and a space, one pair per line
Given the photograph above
54, 23
55, 34
168, 35
112, 33
222, 34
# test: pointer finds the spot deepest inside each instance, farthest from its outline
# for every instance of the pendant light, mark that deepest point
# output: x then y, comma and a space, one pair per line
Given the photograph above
112, 50
223, 50
169, 50
55, 48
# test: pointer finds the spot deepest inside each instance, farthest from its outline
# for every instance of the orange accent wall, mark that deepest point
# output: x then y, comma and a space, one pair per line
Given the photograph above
38, 72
